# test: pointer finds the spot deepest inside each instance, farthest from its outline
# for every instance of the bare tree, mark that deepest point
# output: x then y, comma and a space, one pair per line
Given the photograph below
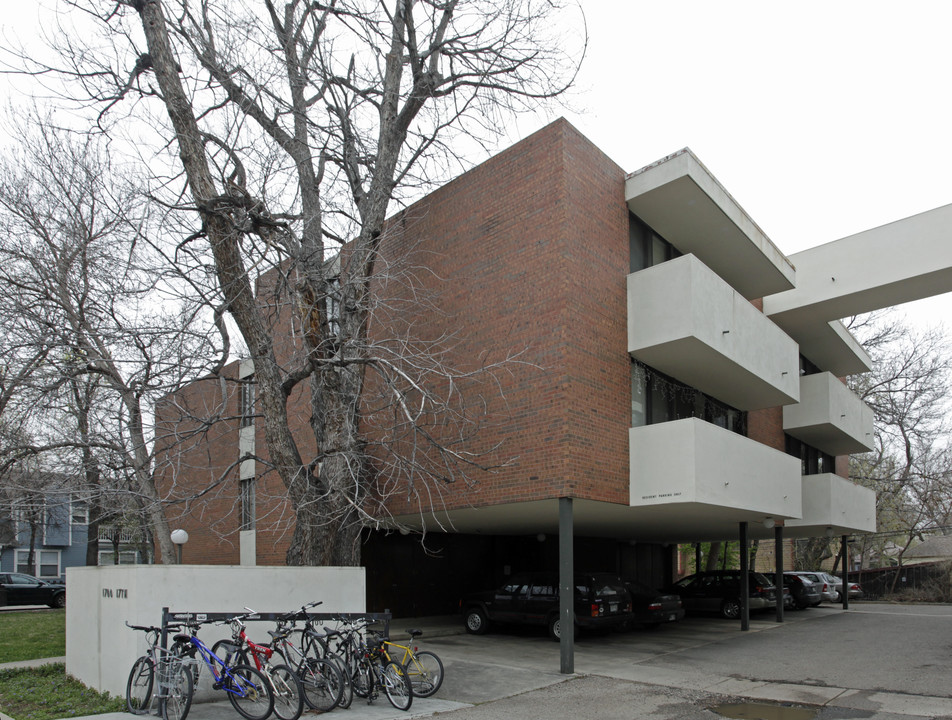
910, 466
101, 333
296, 126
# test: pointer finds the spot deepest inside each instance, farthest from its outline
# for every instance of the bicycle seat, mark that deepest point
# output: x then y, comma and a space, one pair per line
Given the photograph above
182, 638
414, 633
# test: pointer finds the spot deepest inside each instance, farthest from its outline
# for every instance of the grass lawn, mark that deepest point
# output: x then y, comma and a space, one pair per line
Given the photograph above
47, 692
32, 634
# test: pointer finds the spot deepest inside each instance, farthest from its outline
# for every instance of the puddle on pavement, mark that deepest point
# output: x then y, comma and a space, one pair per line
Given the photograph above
762, 711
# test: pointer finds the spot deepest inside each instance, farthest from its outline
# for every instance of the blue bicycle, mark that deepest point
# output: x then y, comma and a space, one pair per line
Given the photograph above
247, 689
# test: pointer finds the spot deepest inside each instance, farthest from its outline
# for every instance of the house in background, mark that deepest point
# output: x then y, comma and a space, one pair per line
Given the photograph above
55, 524
680, 379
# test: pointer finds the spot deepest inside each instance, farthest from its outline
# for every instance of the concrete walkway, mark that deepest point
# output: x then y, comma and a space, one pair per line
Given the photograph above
680, 671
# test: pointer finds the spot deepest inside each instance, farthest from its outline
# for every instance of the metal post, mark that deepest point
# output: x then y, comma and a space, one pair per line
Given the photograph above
697, 557
846, 572
566, 587
778, 553
744, 579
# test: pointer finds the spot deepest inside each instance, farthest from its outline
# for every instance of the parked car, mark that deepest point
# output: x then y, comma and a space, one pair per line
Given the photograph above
827, 593
804, 592
651, 607
837, 581
20, 589
601, 601
719, 591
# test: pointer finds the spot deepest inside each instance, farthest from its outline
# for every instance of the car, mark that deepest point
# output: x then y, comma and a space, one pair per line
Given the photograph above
651, 607
804, 592
837, 581
719, 591
827, 593
20, 589
601, 601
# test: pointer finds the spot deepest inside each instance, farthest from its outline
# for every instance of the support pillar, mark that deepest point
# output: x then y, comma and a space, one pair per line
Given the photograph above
697, 557
744, 579
566, 586
778, 554
844, 559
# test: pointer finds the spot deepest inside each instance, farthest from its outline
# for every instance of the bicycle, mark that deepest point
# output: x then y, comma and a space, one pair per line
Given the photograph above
424, 668
375, 672
285, 686
323, 677
175, 686
248, 689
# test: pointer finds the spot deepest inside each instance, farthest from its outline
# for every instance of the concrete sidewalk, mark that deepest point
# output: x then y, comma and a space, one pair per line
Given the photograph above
631, 675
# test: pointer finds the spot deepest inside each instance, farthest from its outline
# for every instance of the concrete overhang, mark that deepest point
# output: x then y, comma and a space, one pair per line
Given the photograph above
686, 205
906, 260
828, 345
672, 523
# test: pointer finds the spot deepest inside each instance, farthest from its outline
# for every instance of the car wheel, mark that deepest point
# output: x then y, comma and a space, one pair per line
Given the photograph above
837, 597
730, 608
58, 601
555, 628
476, 621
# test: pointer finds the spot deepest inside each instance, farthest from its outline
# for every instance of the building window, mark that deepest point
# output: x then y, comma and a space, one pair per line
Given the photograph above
812, 460
246, 401
46, 563
333, 307
646, 247
79, 513
247, 499
807, 367
658, 398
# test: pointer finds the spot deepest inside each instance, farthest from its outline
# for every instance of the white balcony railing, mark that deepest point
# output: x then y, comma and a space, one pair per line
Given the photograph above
687, 322
829, 416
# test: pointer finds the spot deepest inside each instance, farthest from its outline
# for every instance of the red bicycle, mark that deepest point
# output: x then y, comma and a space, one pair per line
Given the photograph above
285, 685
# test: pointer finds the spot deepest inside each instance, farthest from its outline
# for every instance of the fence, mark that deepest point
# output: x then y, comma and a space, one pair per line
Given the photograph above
928, 582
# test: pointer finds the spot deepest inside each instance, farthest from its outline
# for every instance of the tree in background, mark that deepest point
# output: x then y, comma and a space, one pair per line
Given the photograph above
99, 328
282, 134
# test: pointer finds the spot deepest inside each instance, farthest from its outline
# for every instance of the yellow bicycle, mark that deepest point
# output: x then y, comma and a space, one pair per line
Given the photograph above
423, 668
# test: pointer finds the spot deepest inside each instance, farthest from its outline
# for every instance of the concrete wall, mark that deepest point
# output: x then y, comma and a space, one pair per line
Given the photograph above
100, 649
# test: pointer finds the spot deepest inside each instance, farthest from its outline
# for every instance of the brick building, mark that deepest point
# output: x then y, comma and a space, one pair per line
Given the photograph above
678, 377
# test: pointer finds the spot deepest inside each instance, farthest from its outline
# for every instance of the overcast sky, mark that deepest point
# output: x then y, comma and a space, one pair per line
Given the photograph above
822, 119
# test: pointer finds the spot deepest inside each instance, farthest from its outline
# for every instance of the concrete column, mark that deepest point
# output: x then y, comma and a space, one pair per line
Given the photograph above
697, 557
566, 586
844, 559
744, 578
778, 554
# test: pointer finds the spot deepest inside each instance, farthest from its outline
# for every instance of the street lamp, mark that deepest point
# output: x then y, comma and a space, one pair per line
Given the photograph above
179, 538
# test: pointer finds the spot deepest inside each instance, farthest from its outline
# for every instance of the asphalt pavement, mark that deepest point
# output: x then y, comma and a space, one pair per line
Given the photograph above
876, 661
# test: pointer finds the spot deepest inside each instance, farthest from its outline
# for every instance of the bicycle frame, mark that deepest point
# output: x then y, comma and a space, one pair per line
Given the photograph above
237, 685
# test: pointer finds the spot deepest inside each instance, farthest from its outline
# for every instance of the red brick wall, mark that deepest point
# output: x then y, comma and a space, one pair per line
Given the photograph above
527, 256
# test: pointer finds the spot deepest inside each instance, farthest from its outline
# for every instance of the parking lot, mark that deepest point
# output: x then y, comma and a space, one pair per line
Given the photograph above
876, 661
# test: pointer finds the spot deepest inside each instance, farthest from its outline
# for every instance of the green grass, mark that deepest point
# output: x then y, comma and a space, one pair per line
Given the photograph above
48, 693
30, 635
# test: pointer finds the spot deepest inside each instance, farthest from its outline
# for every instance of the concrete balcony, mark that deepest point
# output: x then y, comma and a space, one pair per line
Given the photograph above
833, 506
699, 481
687, 322
829, 417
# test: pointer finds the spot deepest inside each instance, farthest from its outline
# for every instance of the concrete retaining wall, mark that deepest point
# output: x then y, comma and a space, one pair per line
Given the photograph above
100, 649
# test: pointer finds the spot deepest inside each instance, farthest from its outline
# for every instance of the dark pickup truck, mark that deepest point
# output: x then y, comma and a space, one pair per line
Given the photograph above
601, 601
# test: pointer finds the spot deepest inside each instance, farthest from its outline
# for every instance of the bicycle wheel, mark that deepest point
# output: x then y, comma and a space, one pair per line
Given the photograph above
347, 689
425, 670
185, 653
288, 693
361, 678
139, 686
249, 692
396, 683
323, 684
229, 653
178, 694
